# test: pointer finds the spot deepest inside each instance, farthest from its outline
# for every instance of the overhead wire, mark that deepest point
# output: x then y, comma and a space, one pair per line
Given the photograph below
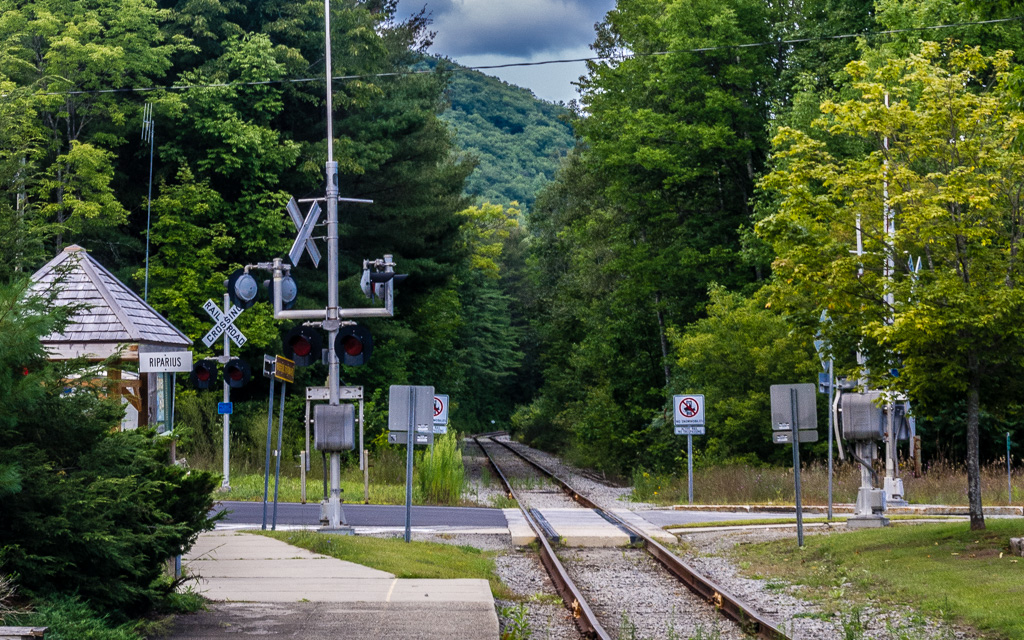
536, 63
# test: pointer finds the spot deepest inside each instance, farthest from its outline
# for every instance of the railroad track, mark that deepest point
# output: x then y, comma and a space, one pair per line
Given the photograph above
588, 615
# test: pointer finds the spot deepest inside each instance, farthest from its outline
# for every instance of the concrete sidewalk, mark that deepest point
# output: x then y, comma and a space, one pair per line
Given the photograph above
265, 587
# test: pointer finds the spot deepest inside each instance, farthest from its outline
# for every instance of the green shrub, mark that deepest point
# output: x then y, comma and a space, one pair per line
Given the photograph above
87, 510
68, 618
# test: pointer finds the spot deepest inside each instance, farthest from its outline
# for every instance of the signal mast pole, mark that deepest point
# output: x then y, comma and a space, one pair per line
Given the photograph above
335, 516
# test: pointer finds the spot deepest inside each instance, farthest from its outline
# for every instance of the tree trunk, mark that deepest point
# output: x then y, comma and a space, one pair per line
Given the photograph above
664, 341
973, 465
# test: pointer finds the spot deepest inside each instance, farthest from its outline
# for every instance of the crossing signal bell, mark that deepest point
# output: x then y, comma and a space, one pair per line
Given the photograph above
204, 375
242, 289
303, 345
354, 345
237, 373
375, 283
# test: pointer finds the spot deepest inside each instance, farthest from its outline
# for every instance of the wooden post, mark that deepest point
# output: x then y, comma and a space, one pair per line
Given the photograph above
366, 476
917, 456
302, 476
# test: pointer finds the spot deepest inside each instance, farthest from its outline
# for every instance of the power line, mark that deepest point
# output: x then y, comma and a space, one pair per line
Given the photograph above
537, 63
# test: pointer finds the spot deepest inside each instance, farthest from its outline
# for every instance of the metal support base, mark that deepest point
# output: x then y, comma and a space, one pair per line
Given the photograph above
894, 493
868, 510
867, 522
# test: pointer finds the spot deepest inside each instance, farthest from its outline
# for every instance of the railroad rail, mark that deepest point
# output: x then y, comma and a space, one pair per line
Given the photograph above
748, 619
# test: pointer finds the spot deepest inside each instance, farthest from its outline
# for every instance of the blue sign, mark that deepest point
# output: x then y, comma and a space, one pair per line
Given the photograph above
224, 408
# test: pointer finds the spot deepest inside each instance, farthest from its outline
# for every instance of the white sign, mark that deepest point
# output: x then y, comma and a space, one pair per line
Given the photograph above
223, 324
440, 414
304, 227
689, 431
170, 361
689, 410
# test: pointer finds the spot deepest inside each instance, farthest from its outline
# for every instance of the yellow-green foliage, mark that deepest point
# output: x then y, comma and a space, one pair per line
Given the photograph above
441, 472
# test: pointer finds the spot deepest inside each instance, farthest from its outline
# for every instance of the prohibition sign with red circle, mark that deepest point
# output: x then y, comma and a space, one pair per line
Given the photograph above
689, 407
438, 406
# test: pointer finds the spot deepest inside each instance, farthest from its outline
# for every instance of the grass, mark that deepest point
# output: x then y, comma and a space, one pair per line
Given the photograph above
436, 481
757, 522
249, 487
941, 570
403, 559
940, 483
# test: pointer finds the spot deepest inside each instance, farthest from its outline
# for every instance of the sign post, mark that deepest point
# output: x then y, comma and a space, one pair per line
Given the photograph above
688, 420
410, 409
224, 324
795, 420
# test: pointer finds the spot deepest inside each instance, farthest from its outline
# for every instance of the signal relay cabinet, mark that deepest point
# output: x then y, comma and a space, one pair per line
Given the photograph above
334, 426
863, 418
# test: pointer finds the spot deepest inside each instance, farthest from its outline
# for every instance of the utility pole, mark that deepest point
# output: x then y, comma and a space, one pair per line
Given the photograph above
333, 317
147, 135
226, 483
893, 485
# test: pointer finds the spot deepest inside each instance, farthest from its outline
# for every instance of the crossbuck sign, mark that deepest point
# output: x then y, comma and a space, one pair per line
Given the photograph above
224, 322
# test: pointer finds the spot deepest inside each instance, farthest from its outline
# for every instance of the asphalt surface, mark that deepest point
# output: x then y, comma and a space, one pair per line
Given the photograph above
361, 515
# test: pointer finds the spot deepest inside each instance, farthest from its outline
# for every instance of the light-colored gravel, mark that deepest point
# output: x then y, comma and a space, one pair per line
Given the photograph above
482, 485
634, 597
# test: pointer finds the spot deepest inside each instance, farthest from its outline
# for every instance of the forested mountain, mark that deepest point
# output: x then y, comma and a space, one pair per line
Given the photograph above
517, 141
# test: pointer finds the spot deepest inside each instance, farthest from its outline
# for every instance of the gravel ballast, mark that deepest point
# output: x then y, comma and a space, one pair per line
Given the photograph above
616, 584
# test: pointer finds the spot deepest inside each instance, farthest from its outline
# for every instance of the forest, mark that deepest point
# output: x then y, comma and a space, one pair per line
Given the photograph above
680, 231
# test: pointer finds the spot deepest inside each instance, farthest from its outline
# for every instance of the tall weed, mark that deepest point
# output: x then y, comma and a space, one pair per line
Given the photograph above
441, 473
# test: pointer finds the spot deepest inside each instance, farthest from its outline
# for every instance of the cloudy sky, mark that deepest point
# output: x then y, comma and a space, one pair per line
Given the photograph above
488, 32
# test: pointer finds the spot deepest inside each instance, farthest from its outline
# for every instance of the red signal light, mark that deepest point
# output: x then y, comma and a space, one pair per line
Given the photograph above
352, 346
303, 345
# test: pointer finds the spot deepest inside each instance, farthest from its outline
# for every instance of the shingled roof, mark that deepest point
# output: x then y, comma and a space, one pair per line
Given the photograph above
115, 315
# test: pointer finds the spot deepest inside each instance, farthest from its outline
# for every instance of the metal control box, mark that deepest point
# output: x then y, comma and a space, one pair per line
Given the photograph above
862, 417
334, 427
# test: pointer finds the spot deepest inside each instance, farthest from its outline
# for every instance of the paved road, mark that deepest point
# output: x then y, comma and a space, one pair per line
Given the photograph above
362, 515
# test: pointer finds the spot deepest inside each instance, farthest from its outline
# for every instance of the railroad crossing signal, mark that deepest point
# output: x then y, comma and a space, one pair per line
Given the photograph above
242, 289
305, 229
204, 374
237, 373
224, 322
354, 344
303, 345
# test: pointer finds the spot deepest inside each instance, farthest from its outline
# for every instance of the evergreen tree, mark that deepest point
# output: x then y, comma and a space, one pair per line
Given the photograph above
87, 510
